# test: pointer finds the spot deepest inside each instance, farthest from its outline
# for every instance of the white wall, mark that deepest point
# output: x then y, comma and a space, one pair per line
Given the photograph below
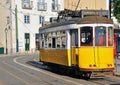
34, 25
107, 4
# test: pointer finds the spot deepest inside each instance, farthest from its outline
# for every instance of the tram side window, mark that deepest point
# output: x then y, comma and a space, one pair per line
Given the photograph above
42, 41
53, 43
54, 40
86, 36
118, 44
58, 40
46, 40
74, 37
63, 39
110, 36
100, 36
49, 40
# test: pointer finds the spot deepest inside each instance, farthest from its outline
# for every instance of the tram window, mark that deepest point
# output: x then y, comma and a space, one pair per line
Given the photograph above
53, 43
49, 34
63, 41
58, 34
42, 41
74, 37
49, 42
54, 34
86, 36
46, 40
118, 44
54, 40
100, 36
42, 44
110, 36
58, 42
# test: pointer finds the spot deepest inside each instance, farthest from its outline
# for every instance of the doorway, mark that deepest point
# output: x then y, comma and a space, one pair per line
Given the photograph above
27, 41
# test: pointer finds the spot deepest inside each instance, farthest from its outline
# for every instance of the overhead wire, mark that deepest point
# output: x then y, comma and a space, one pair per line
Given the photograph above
77, 5
13, 12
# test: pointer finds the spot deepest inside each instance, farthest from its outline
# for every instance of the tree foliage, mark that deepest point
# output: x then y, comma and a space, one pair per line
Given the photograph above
116, 10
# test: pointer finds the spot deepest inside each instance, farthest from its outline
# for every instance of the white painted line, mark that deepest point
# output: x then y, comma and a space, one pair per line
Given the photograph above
44, 72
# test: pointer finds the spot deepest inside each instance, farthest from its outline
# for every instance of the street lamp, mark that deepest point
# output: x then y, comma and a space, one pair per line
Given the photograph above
6, 30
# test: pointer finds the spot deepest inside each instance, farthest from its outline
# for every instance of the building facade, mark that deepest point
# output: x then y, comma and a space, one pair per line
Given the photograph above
22, 19
5, 26
86, 4
84, 8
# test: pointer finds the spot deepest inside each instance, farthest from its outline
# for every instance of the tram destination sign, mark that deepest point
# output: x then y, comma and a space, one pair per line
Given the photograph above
95, 12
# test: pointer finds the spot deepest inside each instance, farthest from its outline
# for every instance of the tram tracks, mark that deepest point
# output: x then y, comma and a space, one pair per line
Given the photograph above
106, 80
34, 66
21, 77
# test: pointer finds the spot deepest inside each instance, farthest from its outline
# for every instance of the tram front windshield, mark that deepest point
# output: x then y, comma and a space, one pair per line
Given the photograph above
86, 36
100, 36
103, 36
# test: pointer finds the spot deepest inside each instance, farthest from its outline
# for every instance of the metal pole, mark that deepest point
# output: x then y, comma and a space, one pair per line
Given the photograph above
16, 17
6, 40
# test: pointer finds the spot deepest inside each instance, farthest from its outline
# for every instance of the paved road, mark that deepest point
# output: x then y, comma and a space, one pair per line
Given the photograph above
25, 70
117, 66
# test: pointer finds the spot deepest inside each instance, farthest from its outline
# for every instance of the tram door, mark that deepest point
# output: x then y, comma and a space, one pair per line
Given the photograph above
100, 43
27, 41
103, 46
74, 46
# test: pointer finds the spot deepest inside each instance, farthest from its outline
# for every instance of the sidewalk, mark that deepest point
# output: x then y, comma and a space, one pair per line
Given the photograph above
117, 67
19, 54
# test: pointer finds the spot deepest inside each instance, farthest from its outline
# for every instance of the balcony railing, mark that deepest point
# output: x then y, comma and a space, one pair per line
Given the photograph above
27, 5
42, 6
55, 7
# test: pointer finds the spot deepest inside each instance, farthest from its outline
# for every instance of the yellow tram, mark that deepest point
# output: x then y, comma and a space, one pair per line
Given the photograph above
83, 45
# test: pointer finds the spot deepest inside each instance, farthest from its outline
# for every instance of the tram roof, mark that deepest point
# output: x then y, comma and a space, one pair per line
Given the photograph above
59, 24
85, 20
96, 19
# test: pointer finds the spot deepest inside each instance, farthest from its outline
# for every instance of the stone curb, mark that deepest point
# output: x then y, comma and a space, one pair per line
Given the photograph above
19, 54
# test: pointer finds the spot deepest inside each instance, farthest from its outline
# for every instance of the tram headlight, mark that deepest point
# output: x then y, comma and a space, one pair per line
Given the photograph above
109, 65
90, 65
94, 65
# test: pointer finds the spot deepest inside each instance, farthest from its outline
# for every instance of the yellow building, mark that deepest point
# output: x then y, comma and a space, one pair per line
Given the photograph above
86, 4
84, 8
5, 31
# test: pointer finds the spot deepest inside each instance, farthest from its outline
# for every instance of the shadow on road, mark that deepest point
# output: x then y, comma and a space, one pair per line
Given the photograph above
37, 65
40, 65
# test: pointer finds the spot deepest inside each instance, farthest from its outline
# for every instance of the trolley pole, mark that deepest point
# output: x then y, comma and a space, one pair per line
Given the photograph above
110, 8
